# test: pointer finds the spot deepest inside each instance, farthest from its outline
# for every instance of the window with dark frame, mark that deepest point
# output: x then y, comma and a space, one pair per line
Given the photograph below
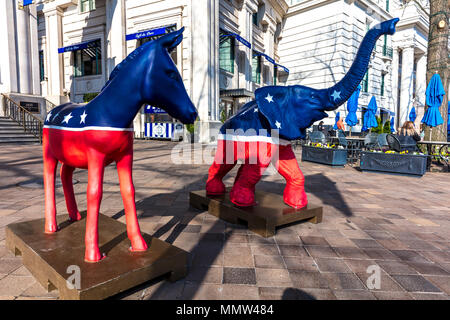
41, 66
87, 5
88, 61
365, 82
226, 52
275, 75
256, 68
255, 18
382, 85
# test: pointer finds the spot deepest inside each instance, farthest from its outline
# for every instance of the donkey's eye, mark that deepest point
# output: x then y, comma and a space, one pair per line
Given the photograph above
172, 74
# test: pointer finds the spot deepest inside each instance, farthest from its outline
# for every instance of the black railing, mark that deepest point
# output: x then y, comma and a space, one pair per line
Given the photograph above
23, 117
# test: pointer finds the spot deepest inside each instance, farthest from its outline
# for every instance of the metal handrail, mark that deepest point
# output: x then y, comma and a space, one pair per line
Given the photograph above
25, 118
49, 105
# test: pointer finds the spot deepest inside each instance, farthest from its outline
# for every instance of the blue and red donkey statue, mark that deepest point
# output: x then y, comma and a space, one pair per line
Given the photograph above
93, 135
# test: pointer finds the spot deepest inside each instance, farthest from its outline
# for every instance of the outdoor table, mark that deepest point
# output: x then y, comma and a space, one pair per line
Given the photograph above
441, 146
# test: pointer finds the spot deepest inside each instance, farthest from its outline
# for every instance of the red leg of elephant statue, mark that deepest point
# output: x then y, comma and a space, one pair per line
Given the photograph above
287, 166
223, 163
256, 160
243, 192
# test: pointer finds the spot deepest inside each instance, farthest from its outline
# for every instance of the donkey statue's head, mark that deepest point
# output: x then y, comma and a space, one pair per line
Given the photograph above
159, 82
163, 86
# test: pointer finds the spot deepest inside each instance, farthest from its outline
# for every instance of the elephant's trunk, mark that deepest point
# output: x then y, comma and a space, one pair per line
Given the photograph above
341, 91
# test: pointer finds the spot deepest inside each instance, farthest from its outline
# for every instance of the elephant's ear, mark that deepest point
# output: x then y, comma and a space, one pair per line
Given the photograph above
274, 102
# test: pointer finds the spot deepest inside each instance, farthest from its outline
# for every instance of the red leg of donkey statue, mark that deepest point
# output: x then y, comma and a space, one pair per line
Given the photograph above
94, 150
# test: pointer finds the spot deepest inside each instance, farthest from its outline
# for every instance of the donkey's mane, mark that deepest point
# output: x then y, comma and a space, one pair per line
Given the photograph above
125, 62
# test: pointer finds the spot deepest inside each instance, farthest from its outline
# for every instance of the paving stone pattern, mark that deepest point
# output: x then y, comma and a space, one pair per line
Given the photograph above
399, 225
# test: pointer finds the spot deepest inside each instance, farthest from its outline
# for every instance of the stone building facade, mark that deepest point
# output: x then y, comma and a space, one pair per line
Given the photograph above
61, 50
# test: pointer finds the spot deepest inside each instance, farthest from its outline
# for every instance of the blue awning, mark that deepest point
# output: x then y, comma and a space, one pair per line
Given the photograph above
271, 60
150, 33
282, 67
27, 2
381, 109
238, 38
265, 56
151, 109
78, 46
392, 113
146, 34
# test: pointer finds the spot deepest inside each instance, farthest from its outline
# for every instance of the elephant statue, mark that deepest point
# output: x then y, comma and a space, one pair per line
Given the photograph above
260, 132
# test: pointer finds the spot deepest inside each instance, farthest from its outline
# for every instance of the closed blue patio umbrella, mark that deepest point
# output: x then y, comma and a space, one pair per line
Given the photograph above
434, 96
392, 125
352, 106
338, 116
412, 114
370, 121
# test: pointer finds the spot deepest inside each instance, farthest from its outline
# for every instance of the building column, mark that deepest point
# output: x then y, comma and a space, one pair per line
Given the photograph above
23, 50
53, 33
245, 77
8, 65
34, 55
205, 67
115, 34
406, 92
421, 85
394, 83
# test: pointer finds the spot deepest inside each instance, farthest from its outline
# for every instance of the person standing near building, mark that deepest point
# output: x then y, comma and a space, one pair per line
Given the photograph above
340, 125
408, 130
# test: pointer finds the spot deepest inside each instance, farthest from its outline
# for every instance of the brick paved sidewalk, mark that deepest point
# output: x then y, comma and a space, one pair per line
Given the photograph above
399, 223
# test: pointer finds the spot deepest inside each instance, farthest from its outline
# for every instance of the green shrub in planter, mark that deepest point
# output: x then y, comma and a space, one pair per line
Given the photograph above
89, 96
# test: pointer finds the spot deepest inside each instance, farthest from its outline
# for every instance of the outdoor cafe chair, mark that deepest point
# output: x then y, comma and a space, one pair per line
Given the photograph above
401, 143
317, 137
371, 140
393, 143
382, 142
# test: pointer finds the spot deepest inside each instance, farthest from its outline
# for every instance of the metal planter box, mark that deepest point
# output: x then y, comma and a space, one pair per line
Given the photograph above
394, 162
332, 157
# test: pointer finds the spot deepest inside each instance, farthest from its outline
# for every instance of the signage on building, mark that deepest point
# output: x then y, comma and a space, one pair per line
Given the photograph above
238, 38
75, 47
149, 33
282, 67
150, 109
30, 106
271, 60
27, 2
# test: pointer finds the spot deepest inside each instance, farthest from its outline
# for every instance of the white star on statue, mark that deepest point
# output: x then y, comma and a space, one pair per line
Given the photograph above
336, 94
67, 118
83, 117
277, 124
48, 116
255, 110
269, 98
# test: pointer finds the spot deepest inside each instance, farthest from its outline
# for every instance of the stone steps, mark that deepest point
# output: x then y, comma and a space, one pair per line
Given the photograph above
12, 132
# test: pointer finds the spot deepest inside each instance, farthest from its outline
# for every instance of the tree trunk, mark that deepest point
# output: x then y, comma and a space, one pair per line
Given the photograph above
437, 61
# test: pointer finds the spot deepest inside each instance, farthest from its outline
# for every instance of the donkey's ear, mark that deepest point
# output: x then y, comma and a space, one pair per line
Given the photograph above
173, 39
